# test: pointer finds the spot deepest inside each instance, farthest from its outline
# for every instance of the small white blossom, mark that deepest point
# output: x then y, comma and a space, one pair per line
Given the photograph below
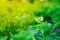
41, 18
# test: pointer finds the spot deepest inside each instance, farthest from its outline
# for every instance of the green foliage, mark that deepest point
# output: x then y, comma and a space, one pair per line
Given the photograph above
34, 20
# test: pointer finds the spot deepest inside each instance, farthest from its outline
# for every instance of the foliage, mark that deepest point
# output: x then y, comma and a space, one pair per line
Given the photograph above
30, 20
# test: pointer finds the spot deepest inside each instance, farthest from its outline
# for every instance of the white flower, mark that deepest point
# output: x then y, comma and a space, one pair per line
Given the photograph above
41, 18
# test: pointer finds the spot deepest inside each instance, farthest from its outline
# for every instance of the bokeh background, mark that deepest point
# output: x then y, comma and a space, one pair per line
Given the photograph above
29, 19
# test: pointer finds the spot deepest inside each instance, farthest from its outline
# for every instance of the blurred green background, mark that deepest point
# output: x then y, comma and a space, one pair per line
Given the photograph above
29, 20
